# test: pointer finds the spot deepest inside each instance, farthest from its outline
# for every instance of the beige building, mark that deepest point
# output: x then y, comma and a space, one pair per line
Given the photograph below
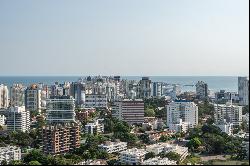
17, 95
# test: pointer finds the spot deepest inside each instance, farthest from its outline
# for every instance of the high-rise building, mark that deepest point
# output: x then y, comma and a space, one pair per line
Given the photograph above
4, 96
228, 113
33, 98
201, 90
18, 119
144, 88
243, 90
223, 96
182, 109
157, 89
57, 90
60, 109
130, 111
77, 90
60, 138
96, 101
17, 95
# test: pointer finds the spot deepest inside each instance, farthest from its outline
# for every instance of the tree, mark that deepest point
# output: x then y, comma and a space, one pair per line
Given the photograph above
177, 135
33, 114
149, 155
236, 130
244, 126
16, 162
207, 128
195, 132
75, 158
245, 110
35, 155
149, 113
205, 108
171, 155
161, 113
4, 162
121, 126
145, 138
112, 162
108, 125
210, 121
194, 143
164, 138
34, 163
93, 141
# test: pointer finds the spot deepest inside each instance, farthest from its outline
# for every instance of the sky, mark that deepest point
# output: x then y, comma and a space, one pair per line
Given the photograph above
124, 37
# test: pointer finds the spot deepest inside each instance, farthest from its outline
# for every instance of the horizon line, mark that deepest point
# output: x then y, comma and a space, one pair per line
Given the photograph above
123, 75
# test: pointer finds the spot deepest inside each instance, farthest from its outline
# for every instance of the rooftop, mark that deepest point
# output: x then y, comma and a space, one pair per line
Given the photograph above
135, 151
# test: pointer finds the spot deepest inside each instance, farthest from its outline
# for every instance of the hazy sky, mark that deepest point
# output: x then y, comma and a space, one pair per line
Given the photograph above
124, 37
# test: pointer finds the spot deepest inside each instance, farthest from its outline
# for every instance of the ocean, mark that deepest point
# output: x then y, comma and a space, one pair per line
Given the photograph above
215, 83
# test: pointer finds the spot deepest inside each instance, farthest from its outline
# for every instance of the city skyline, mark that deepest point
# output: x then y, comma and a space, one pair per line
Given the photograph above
150, 38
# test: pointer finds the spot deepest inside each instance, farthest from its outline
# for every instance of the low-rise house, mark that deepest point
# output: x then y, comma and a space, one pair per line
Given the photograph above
132, 156
153, 123
155, 136
166, 147
159, 161
93, 162
112, 147
179, 126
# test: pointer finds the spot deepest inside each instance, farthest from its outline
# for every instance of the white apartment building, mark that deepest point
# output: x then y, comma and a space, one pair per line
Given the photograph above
226, 127
243, 90
96, 127
232, 113
4, 96
157, 148
18, 119
132, 156
17, 95
96, 100
159, 161
60, 109
130, 111
180, 126
201, 90
166, 147
112, 147
182, 109
2, 120
10, 153
33, 98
